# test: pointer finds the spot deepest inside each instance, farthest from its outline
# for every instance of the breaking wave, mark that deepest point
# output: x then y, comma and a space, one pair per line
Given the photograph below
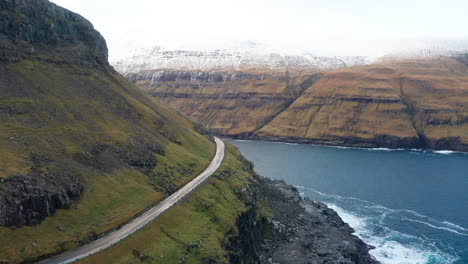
377, 226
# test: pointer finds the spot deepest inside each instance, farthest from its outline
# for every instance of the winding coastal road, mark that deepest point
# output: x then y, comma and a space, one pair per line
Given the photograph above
130, 228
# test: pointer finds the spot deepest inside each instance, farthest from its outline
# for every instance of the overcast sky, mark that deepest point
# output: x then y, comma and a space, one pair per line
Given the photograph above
353, 27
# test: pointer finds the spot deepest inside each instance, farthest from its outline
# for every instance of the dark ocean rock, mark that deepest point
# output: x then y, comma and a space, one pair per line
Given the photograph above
302, 231
297, 231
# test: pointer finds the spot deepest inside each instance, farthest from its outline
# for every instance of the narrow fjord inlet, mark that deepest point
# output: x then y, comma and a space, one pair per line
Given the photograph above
409, 204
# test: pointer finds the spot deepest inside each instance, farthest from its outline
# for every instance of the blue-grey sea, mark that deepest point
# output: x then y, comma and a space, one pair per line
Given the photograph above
411, 205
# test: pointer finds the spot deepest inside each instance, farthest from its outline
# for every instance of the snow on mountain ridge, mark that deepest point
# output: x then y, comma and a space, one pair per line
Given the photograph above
251, 56
241, 55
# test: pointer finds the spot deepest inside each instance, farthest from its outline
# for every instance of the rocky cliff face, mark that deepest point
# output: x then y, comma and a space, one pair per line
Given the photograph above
296, 231
38, 30
396, 102
27, 26
29, 199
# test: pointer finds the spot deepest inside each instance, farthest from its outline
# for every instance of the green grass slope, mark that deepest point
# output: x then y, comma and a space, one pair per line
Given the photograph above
200, 228
81, 150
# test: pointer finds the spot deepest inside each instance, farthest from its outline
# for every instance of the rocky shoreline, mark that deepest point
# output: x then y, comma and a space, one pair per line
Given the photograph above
354, 142
295, 230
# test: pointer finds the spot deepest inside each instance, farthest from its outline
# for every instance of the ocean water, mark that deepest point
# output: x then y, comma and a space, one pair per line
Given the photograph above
411, 205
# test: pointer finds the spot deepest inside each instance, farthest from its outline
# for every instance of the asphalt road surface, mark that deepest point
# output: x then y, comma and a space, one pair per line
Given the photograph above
114, 237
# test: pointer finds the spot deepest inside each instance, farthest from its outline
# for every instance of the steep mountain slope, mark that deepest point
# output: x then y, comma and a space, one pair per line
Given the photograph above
396, 102
230, 103
415, 103
227, 84
76, 135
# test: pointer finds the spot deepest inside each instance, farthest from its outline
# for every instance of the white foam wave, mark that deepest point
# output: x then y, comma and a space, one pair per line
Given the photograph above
392, 252
414, 213
434, 226
385, 212
455, 226
335, 196
443, 152
446, 152
241, 140
386, 149
387, 249
357, 223
340, 147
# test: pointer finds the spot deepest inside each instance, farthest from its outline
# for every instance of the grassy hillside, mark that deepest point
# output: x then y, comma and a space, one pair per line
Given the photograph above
404, 103
197, 230
239, 217
81, 150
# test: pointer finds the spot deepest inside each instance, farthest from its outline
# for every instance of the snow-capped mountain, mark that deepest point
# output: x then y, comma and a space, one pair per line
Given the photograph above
247, 56
427, 48
253, 55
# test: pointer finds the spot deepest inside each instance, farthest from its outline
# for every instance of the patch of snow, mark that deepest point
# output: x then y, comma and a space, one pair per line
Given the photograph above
237, 55
251, 55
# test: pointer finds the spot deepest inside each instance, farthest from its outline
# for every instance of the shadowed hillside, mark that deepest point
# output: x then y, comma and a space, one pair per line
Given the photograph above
76, 135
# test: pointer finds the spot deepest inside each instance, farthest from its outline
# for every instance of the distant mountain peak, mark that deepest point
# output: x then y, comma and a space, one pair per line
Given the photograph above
234, 57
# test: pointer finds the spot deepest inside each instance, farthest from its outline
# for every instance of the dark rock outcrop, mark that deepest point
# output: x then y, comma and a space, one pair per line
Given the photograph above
38, 30
463, 58
136, 153
246, 246
41, 31
29, 25
27, 199
297, 230
302, 231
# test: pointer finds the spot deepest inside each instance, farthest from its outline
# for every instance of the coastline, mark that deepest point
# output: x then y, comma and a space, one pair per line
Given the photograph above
294, 229
302, 230
403, 230
291, 141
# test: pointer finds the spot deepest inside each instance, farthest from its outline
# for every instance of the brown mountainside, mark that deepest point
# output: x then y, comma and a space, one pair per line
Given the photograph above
230, 103
404, 103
